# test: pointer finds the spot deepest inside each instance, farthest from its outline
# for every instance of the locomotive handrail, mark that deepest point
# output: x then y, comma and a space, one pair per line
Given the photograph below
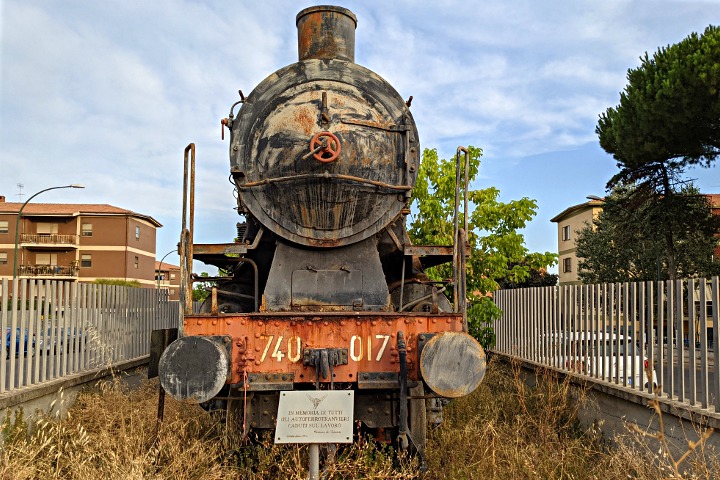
334, 176
459, 283
186, 237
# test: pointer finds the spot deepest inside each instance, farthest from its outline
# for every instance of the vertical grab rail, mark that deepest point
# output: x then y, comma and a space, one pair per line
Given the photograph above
460, 236
186, 235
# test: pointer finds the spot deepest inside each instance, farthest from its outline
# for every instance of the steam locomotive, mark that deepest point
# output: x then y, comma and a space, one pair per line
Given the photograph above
324, 290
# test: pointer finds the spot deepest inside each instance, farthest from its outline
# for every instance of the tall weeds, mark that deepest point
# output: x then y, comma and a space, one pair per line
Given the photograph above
504, 430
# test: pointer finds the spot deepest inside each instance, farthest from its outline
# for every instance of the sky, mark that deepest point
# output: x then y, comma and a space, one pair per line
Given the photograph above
107, 94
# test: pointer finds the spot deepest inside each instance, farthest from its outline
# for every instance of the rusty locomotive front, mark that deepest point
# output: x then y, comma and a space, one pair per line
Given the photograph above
324, 289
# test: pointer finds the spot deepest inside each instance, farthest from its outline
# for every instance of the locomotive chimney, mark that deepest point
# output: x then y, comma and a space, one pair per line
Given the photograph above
326, 32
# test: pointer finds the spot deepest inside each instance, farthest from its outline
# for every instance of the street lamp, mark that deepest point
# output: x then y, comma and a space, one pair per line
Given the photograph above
160, 265
17, 222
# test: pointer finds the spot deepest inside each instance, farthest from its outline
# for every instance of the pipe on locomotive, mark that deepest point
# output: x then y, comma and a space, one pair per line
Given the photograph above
326, 32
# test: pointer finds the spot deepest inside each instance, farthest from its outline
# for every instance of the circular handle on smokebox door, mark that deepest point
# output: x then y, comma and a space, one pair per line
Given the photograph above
334, 152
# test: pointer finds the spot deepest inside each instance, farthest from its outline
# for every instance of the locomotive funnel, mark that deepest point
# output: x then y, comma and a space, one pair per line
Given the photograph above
326, 32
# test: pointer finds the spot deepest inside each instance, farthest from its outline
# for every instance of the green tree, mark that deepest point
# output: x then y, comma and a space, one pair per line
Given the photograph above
668, 119
537, 277
497, 246
623, 243
201, 290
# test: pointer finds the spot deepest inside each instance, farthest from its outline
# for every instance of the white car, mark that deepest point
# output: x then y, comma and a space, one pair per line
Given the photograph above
603, 355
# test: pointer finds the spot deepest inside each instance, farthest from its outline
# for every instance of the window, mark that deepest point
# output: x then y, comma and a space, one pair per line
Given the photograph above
567, 265
3, 226
137, 233
46, 259
47, 228
86, 229
3, 258
172, 276
137, 262
86, 261
172, 292
566, 232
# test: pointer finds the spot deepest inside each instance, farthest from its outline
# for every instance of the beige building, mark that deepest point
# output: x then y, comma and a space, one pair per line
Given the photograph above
570, 221
78, 242
167, 276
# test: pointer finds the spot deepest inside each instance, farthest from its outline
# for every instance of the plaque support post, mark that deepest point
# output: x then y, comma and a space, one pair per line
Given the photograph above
314, 454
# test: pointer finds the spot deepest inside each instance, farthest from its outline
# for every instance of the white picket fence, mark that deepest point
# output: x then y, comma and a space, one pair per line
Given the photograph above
608, 331
54, 329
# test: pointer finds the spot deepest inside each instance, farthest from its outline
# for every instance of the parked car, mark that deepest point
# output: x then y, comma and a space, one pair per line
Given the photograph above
59, 340
18, 335
603, 355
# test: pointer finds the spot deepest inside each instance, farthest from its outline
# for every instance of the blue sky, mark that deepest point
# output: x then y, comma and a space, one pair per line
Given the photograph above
108, 93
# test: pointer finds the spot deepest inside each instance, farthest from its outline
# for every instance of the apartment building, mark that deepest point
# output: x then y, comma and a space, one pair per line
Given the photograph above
570, 221
575, 218
167, 276
77, 242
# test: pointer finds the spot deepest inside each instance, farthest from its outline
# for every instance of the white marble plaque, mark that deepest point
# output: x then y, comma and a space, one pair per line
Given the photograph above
315, 416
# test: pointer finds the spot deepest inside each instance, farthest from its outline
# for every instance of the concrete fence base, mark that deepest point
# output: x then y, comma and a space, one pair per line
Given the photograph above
58, 396
613, 409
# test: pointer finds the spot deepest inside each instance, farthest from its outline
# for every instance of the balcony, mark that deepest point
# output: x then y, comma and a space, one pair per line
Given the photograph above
48, 271
48, 240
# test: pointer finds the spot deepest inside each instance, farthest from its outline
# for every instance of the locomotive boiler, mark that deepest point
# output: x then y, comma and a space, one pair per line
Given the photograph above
322, 288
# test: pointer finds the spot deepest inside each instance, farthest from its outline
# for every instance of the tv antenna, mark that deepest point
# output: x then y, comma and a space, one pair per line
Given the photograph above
20, 194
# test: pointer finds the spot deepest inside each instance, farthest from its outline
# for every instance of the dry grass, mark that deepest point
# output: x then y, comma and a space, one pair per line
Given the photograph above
504, 430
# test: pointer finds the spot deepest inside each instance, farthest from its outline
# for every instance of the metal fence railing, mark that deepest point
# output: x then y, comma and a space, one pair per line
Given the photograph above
613, 332
55, 328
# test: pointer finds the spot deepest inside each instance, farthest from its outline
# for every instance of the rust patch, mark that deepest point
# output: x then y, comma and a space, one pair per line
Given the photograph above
305, 120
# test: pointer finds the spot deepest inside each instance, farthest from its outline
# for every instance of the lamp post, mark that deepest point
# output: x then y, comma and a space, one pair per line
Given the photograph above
160, 266
17, 222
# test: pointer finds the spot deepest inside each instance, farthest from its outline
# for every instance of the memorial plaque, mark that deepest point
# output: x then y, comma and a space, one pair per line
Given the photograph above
315, 416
